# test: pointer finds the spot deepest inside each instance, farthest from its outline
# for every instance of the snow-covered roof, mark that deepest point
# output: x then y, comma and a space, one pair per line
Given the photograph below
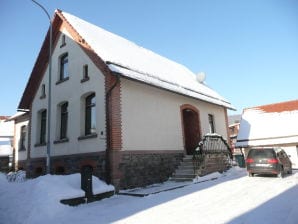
6, 128
16, 115
272, 124
138, 63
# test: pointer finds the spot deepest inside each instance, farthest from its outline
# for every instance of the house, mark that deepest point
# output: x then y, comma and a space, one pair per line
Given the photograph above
20, 140
125, 111
6, 137
272, 125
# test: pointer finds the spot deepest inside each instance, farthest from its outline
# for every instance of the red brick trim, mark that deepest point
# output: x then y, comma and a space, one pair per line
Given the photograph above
227, 127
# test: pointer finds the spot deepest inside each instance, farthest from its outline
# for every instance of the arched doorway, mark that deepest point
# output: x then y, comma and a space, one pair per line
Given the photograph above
191, 129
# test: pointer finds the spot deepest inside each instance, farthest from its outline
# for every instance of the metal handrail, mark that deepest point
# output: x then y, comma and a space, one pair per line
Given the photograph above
211, 144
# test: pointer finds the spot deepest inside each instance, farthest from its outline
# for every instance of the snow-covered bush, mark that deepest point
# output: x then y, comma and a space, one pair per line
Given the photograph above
19, 176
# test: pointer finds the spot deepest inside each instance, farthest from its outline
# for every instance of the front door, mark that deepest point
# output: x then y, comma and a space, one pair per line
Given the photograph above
191, 129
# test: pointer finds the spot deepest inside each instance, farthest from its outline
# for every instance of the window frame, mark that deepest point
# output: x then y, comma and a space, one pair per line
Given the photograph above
90, 114
43, 91
43, 127
63, 40
23, 134
63, 121
85, 73
211, 123
63, 67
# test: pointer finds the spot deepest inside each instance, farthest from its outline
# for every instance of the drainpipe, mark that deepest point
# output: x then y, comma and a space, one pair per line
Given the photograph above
108, 131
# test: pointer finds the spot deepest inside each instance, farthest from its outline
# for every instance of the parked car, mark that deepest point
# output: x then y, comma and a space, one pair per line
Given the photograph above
268, 161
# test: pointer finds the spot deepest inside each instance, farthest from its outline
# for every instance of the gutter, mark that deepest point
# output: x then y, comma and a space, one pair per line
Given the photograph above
108, 131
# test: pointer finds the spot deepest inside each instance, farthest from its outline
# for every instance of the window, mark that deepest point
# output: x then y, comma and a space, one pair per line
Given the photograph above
22, 138
63, 43
43, 91
63, 120
211, 123
90, 115
64, 67
43, 126
85, 74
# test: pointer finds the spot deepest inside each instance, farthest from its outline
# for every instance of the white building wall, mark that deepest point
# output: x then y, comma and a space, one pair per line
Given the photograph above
71, 91
20, 155
151, 117
292, 152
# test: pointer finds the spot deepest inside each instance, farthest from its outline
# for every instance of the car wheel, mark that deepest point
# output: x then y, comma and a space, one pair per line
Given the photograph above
290, 171
250, 174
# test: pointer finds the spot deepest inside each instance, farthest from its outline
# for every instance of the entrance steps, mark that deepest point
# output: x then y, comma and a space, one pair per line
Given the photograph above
185, 171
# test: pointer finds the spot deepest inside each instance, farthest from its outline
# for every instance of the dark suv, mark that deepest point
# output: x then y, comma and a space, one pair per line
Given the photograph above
268, 161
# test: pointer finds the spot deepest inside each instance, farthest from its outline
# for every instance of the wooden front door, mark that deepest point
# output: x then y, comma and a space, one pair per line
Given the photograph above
191, 129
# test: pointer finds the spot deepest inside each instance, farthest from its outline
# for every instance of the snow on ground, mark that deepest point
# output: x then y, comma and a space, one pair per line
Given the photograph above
232, 198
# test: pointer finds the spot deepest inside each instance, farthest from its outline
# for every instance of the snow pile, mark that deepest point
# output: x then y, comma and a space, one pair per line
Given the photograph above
38, 198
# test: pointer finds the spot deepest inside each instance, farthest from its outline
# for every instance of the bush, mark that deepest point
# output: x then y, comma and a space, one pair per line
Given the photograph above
19, 176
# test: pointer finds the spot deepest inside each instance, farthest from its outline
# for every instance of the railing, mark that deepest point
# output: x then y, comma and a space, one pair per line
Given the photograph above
211, 144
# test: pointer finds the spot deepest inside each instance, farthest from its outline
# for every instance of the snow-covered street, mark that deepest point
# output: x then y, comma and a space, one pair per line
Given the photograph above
232, 198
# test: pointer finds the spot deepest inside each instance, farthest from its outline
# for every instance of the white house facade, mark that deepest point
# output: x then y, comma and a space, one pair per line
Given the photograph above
125, 111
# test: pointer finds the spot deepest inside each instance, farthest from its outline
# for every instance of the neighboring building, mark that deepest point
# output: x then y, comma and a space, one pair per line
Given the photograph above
20, 141
6, 137
234, 124
271, 125
125, 111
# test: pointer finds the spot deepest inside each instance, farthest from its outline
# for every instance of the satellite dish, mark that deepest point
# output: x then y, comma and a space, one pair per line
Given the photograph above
201, 77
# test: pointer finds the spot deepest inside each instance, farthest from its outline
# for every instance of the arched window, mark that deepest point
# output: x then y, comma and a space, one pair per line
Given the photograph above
64, 73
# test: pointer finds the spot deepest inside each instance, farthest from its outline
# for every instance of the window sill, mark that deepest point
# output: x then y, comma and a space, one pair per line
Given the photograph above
85, 79
94, 135
22, 150
62, 45
62, 80
61, 141
40, 144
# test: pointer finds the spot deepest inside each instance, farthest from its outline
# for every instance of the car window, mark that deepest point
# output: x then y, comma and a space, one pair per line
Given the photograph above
261, 153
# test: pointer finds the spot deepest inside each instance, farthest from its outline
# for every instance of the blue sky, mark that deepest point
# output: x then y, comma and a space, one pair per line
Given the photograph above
247, 48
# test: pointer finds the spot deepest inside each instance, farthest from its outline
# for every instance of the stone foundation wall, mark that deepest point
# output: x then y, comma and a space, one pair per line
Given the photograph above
68, 164
144, 168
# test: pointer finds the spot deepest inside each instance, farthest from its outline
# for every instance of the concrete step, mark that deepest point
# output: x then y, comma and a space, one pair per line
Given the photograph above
180, 179
184, 175
184, 172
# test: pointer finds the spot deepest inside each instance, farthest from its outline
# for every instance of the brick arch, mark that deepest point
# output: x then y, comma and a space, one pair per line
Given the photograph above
191, 127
